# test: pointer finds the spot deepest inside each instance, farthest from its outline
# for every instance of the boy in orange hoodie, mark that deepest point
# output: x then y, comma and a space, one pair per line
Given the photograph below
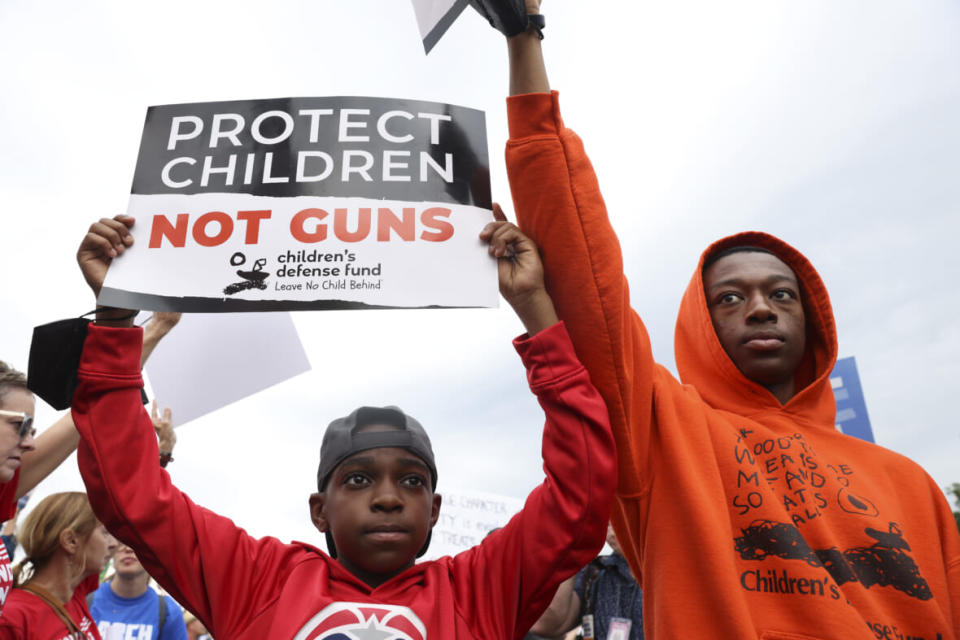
740, 507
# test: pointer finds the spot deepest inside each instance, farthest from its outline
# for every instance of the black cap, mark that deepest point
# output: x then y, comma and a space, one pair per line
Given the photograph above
344, 438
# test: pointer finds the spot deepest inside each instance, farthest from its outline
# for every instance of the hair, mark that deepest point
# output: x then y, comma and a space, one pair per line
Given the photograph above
10, 378
40, 532
743, 248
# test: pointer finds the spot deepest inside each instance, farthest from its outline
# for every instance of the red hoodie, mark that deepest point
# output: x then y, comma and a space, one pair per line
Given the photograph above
742, 517
262, 589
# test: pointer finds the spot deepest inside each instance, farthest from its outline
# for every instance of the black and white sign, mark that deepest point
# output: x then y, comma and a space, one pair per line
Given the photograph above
308, 203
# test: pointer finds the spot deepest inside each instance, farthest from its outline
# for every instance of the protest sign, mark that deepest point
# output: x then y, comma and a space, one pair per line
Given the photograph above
308, 203
466, 517
434, 17
212, 360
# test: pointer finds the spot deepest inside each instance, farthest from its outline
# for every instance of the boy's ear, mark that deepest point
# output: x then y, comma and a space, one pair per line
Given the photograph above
318, 511
435, 509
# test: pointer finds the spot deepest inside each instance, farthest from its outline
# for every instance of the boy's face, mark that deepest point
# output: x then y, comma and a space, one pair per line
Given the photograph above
754, 303
126, 563
379, 507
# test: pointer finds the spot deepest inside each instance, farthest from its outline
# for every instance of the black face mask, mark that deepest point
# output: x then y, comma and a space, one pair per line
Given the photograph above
54, 359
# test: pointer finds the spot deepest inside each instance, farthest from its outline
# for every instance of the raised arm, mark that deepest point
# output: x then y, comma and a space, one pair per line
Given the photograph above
159, 325
53, 446
197, 555
528, 73
561, 526
558, 203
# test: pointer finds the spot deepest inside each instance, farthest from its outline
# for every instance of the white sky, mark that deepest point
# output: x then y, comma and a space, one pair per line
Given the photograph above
832, 125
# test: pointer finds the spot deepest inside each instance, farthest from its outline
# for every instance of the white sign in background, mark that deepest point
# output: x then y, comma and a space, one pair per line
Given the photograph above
466, 517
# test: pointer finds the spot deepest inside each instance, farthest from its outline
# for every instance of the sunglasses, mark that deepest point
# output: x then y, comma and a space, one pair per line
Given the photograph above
25, 427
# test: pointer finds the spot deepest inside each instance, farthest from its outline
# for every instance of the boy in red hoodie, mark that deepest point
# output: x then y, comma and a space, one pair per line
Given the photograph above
740, 508
376, 498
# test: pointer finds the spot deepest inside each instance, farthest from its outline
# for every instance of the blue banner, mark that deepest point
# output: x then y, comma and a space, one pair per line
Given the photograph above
852, 418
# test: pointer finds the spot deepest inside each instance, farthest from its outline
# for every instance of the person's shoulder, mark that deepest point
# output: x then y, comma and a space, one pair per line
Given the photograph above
173, 607
99, 595
20, 606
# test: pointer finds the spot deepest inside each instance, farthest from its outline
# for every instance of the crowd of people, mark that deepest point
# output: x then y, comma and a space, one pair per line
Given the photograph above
735, 508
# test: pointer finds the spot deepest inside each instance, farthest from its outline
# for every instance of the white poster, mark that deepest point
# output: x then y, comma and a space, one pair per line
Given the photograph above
308, 203
466, 517
211, 360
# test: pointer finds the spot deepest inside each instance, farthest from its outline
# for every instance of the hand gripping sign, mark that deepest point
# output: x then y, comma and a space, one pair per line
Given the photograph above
308, 203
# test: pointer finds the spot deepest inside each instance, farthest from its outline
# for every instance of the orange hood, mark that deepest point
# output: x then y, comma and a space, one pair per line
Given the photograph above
702, 362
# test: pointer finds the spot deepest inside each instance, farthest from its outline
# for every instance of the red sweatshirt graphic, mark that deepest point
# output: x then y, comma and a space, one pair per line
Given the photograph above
250, 589
28, 617
742, 517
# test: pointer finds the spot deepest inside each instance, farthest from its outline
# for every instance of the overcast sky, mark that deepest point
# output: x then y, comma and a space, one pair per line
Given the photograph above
831, 125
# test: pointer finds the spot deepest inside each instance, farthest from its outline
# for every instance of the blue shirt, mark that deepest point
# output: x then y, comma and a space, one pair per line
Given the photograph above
613, 594
135, 618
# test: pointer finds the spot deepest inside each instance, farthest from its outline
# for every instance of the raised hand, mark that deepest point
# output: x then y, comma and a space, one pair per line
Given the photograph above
105, 240
166, 436
520, 272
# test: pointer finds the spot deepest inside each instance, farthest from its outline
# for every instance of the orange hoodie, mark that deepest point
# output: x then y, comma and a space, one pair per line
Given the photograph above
742, 517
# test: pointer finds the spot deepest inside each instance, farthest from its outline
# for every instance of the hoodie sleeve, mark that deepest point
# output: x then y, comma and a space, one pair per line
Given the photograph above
204, 560
507, 581
558, 203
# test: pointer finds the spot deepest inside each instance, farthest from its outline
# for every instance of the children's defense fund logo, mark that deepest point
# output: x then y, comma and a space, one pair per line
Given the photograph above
363, 621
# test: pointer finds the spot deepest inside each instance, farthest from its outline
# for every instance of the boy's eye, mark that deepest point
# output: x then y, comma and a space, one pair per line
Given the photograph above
729, 298
355, 479
414, 481
784, 294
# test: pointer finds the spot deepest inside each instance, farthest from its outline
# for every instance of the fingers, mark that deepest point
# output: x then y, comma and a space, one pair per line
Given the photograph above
154, 413
109, 236
499, 218
507, 239
168, 416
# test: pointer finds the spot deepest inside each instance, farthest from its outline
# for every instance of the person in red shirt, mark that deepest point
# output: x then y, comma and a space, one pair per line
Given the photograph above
66, 549
376, 500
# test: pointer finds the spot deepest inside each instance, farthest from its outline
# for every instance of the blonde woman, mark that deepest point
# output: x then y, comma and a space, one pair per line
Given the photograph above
66, 549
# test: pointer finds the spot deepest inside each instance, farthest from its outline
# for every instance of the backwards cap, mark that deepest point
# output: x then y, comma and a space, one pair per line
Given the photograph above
344, 437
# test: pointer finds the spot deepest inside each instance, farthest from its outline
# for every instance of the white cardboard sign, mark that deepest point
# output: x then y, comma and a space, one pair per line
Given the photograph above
466, 517
211, 360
